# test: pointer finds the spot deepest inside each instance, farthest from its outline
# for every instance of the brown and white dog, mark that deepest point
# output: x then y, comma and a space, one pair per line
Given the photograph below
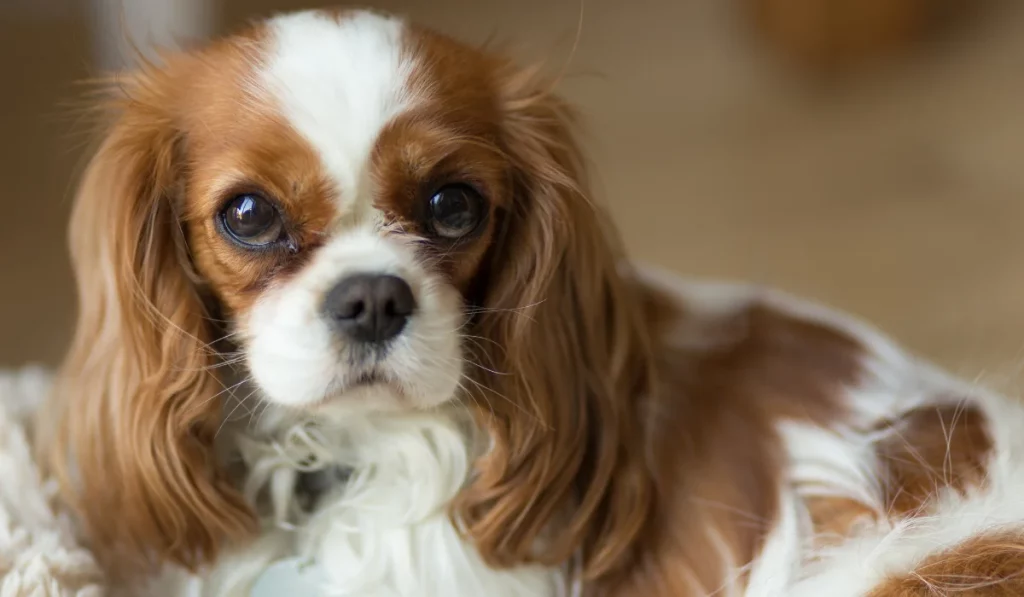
345, 300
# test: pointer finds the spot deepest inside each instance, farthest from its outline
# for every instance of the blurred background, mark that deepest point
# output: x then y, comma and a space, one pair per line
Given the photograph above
866, 153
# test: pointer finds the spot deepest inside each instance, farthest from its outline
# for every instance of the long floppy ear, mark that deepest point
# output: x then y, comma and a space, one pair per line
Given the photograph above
136, 406
567, 360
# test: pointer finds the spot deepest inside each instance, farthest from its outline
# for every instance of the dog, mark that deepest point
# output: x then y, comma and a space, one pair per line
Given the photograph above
350, 321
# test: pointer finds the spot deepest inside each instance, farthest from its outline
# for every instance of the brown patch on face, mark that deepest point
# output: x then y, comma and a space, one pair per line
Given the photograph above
932, 448
233, 142
711, 434
989, 566
450, 136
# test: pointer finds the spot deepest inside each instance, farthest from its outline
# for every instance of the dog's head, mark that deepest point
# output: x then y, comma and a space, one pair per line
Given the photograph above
360, 215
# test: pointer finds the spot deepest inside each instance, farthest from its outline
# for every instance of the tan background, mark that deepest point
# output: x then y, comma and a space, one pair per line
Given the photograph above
898, 194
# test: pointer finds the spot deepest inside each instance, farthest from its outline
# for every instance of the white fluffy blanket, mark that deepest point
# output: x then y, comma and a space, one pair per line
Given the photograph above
39, 555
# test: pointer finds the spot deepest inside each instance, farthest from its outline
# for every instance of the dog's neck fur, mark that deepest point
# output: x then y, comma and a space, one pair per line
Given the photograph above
364, 499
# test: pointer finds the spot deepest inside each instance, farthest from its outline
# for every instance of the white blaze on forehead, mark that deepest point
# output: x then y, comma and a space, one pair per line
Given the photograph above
339, 81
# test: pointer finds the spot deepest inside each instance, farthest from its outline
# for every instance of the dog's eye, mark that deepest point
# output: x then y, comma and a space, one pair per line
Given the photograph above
455, 211
252, 220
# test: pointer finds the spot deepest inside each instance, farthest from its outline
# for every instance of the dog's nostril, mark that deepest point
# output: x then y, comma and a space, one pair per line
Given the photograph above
355, 309
399, 301
370, 308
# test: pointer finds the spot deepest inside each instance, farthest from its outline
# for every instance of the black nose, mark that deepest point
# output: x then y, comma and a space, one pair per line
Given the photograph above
369, 307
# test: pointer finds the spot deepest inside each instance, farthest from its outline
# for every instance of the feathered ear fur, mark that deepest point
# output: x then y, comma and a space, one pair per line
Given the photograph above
137, 406
566, 362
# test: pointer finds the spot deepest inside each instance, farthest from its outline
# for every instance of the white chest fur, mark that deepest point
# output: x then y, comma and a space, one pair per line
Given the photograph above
385, 532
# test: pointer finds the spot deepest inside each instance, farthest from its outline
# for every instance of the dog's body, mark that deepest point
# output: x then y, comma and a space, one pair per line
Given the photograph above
844, 466
385, 238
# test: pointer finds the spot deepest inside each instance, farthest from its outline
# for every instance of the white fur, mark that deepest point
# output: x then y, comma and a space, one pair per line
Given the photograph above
855, 567
295, 359
779, 563
896, 383
390, 532
339, 81
387, 532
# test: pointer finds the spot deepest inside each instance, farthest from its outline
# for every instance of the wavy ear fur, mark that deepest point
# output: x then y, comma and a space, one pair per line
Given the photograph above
136, 403
567, 359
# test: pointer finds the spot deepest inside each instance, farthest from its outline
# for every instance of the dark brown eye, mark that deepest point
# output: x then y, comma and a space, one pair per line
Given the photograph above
252, 220
456, 211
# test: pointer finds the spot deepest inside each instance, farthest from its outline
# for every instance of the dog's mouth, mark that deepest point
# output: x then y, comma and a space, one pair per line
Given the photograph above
359, 382
371, 388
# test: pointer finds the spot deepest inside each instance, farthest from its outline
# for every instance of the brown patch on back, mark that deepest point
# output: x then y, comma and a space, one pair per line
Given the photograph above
836, 518
991, 566
931, 448
715, 453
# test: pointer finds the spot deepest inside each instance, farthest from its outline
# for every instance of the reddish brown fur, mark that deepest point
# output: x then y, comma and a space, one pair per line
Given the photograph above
451, 136
135, 396
926, 451
988, 566
230, 150
565, 464
933, 448
148, 255
710, 430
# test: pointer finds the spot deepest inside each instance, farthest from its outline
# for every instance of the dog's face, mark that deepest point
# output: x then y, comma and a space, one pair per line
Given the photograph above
359, 215
342, 194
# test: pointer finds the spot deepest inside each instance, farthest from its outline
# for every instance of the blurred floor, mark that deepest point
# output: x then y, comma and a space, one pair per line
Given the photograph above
896, 197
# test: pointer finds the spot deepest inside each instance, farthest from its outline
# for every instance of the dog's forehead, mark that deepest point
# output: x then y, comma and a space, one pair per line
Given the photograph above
338, 80
343, 79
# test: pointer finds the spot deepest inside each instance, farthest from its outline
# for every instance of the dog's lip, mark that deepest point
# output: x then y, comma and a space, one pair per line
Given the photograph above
358, 382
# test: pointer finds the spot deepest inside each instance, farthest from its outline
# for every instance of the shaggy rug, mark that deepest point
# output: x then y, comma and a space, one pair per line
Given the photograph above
39, 554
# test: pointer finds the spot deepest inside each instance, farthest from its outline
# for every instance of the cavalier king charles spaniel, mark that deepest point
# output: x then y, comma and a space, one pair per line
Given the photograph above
350, 322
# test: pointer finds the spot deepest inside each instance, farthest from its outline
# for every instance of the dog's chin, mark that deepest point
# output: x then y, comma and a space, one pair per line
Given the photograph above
366, 394
372, 393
